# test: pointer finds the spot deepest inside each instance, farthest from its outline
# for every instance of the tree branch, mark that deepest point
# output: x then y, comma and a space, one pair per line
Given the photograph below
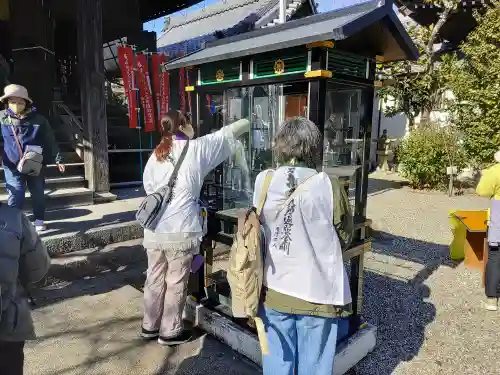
449, 7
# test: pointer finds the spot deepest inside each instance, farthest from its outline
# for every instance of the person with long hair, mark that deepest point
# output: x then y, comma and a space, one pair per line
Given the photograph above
177, 237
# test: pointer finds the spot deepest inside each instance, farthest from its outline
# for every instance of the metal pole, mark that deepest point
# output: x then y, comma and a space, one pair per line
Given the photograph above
281, 97
283, 11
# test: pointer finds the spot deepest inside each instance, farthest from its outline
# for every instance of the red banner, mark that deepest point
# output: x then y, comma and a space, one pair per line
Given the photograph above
156, 61
146, 94
164, 92
126, 61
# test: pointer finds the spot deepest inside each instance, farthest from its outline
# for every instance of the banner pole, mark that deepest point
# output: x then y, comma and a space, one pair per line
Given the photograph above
138, 110
151, 71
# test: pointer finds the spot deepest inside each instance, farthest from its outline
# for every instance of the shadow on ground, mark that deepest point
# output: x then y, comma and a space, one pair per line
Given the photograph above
430, 255
399, 307
396, 306
400, 312
64, 226
99, 274
379, 186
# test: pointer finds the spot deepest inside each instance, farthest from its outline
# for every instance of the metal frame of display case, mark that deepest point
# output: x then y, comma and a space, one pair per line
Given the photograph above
337, 48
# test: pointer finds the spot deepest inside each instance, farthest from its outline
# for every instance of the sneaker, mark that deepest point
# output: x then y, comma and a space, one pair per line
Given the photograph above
183, 338
40, 226
491, 304
149, 335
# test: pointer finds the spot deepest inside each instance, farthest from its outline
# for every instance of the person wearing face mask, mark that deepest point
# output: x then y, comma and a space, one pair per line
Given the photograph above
29, 145
178, 234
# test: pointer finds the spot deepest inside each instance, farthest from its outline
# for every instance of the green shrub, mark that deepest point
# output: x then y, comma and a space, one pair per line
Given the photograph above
427, 152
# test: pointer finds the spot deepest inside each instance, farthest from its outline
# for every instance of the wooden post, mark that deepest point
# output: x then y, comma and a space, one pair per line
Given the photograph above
93, 98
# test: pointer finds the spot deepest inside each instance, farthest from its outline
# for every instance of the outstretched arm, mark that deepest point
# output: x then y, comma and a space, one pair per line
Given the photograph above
218, 146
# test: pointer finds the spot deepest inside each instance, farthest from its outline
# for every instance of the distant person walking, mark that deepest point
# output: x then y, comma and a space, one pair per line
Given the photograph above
177, 237
29, 145
23, 261
489, 187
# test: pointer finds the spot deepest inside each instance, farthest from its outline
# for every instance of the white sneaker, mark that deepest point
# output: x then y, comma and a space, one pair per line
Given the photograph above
40, 226
491, 304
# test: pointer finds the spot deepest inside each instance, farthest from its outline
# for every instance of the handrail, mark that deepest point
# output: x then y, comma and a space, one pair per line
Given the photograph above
34, 48
71, 115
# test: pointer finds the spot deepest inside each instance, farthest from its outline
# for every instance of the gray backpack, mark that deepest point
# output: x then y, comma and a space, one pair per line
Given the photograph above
154, 205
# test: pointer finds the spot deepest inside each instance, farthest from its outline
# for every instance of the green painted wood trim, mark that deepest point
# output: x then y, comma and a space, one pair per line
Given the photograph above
220, 73
266, 67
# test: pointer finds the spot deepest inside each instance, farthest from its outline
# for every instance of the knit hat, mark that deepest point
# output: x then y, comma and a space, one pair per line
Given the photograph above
16, 91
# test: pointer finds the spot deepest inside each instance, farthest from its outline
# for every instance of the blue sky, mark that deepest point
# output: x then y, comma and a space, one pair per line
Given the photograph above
324, 6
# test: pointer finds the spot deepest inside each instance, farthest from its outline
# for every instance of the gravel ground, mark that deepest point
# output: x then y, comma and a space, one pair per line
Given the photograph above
427, 309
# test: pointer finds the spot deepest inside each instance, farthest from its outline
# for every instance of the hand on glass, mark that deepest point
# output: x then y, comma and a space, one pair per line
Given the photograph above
61, 168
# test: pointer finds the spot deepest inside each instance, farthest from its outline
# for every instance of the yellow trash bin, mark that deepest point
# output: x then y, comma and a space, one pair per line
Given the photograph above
459, 232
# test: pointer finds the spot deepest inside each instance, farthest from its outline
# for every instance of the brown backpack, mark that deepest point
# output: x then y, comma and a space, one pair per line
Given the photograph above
246, 260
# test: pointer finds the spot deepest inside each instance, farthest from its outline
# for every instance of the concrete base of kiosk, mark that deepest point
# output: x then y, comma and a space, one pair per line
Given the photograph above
246, 343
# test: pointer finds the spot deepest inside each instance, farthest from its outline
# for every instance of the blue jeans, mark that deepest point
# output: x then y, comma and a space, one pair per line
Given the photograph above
298, 344
16, 187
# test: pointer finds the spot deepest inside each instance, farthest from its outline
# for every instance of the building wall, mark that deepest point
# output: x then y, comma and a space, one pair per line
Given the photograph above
398, 125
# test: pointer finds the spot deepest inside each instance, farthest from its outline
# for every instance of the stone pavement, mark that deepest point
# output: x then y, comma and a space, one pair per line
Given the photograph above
96, 332
427, 308
82, 227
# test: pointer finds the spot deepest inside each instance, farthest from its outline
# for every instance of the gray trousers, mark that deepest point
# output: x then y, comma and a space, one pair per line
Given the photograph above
165, 292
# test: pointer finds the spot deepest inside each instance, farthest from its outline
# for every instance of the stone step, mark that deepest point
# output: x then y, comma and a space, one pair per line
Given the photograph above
51, 171
56, 198
92, 262
79, 236
65, 181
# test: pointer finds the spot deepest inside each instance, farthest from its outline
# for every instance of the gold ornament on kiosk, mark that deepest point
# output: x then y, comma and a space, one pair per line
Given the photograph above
279, 67
219, 76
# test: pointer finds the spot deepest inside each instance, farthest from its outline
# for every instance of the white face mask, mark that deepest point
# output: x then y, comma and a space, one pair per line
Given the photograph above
17, 107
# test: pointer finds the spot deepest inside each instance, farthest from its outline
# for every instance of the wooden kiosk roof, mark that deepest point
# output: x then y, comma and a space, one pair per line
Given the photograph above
369, 29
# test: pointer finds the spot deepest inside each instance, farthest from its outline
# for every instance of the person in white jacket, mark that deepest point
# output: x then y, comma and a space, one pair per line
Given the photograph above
177, 237
306, 290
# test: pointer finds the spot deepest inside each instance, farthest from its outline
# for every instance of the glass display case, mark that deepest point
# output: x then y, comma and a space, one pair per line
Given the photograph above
269, 75
229, 189
265, 106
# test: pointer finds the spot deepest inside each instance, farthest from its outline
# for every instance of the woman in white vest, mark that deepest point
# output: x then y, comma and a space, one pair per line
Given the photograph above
305, 283
177, 237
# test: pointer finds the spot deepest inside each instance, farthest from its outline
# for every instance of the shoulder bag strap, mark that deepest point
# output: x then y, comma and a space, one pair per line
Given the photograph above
17, 139
293, 195
173, 178
263, 192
